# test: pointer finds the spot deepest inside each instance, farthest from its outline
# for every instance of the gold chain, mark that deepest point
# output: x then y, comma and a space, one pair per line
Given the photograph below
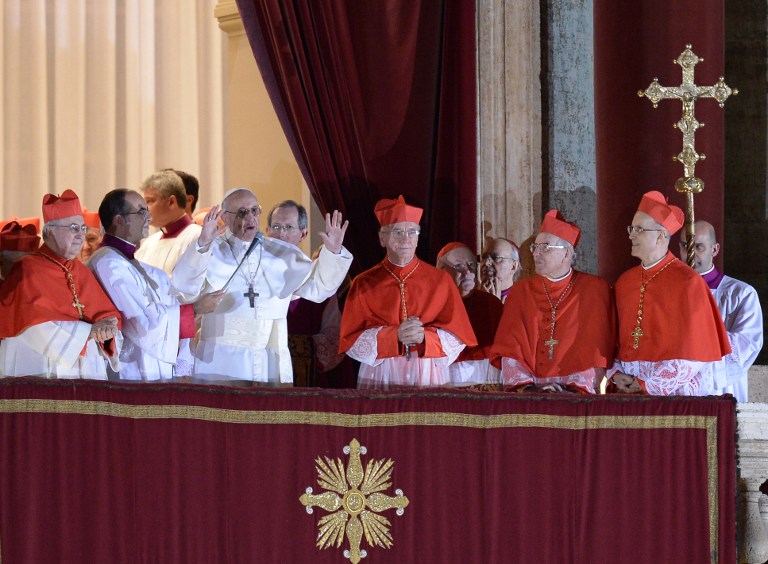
638, 332
553, 315
76, 304
401, 282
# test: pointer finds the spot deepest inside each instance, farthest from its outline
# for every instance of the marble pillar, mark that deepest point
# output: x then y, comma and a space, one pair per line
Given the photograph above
509, 119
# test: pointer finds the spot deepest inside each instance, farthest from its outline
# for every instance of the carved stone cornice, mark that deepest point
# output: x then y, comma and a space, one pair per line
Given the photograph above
229, 17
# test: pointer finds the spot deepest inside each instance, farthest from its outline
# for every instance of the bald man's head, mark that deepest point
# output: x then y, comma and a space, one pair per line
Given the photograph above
705, 248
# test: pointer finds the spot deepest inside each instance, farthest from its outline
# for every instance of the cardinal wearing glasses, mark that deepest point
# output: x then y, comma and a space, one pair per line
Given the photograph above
669, 323
558, 329
55, 319
244, 341
403, 320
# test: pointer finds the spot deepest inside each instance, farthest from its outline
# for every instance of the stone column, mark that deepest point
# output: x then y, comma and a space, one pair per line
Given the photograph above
753, 467
257, 154
569, 120
509, 119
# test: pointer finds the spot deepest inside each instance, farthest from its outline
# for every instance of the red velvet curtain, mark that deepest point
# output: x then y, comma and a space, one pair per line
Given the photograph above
376, 99
100, 472
634, 43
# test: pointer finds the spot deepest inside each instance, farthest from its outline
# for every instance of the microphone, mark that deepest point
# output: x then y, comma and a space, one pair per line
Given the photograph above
257, 240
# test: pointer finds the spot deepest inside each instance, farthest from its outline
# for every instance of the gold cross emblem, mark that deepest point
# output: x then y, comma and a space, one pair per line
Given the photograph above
355, 500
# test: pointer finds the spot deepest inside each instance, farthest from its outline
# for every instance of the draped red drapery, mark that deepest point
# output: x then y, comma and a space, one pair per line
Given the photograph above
100, 472
376, 99
636, 42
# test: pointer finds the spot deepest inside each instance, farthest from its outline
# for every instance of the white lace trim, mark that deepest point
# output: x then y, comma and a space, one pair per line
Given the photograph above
675, 377
366, 348
451, 345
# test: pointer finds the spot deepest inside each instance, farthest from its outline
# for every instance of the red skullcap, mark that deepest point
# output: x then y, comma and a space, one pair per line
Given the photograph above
396, 211
56, 207
655, 204
91, 219
35, 221
555, 224
451, 247
15, 237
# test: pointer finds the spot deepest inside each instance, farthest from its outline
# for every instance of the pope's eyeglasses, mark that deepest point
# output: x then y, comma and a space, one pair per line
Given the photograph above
242, 212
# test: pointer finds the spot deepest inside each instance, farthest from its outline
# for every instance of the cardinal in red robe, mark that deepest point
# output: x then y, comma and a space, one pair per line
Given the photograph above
558, 329
669, 323
403, 319
55, 319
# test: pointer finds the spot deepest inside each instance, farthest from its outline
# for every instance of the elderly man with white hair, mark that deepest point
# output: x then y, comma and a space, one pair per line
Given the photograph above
472, 368
558, 329
245, 340
669, 324
500, 267
55, 319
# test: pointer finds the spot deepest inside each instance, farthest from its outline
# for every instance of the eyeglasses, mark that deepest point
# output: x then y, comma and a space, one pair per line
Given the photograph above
466, 267
639, 230
74, 228
497, 259
242, 212
284, 228
143, 212
544, 247
401, 233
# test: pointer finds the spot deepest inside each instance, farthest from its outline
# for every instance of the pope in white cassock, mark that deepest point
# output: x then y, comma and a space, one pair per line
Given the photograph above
246, 337
153, 319
55, 319
741, 312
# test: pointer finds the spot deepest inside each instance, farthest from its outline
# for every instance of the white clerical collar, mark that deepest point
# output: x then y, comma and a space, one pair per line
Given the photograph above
563, 277
711, 268
401, 265
654, 264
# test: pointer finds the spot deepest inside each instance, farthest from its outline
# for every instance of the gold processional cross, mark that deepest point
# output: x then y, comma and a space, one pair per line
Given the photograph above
688, 92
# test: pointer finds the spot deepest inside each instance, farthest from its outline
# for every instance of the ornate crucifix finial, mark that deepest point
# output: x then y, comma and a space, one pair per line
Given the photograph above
688, 92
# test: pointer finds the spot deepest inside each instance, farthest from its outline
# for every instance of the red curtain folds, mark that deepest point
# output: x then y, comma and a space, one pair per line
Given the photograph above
100, 472
376, 99
634, 43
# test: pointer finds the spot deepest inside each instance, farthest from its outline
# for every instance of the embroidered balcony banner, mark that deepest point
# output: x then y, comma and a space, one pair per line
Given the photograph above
103, 472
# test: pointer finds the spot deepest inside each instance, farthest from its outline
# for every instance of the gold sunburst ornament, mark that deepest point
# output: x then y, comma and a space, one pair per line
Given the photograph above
355, 500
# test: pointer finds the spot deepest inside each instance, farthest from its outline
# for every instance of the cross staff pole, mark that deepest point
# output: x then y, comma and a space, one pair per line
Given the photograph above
688, 92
